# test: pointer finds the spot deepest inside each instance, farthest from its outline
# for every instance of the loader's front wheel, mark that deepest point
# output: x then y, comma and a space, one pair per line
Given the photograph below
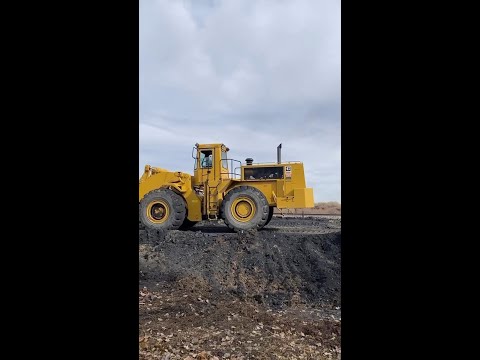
245, 208
162, 209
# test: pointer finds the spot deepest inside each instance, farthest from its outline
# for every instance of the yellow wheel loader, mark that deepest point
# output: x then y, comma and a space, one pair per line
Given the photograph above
243, 195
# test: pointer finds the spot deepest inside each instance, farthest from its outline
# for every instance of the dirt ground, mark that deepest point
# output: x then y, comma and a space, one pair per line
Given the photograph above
213, 294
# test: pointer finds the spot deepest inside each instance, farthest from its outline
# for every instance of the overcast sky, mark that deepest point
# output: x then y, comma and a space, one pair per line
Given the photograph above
247, 73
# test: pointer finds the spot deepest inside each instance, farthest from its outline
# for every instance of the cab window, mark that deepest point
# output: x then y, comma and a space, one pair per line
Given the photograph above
224, 160
206, 158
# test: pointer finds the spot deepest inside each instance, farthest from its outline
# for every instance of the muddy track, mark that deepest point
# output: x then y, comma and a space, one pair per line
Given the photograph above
307, 225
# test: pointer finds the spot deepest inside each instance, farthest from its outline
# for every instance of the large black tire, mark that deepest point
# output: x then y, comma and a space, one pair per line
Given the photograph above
244, 208
187, 224
162, 209
270, 215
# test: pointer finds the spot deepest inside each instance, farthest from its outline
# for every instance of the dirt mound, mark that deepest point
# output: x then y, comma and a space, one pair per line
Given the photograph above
291, 261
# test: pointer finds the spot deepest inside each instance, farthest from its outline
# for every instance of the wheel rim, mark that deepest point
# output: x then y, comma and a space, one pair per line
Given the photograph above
158, 211
243, 209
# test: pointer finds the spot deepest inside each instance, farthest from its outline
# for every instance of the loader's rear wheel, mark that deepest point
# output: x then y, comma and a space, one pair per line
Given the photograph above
270, 215
162, 209
245, 208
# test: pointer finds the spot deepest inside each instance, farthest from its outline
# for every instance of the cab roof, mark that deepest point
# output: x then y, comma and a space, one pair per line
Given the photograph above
210, 146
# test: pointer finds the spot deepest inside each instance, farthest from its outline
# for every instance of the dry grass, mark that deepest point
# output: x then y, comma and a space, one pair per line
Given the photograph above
331, 207
325, 208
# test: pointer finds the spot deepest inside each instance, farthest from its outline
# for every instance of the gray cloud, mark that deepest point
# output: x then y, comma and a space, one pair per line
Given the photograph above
250, 74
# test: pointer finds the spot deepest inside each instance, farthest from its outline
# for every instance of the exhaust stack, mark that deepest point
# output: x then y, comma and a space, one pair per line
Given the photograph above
279, 154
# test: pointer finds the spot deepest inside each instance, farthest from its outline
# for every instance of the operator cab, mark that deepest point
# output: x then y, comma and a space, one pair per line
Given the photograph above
212, 164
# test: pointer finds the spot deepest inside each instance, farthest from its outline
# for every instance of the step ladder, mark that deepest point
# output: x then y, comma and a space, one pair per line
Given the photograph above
212, 208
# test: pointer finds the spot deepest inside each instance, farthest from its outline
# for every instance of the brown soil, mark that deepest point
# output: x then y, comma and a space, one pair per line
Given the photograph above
212, 294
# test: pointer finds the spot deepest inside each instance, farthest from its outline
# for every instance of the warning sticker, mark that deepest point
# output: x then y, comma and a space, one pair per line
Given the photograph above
288, 172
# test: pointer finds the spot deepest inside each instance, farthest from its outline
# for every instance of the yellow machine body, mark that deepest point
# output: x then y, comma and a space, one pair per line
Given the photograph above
215, 175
